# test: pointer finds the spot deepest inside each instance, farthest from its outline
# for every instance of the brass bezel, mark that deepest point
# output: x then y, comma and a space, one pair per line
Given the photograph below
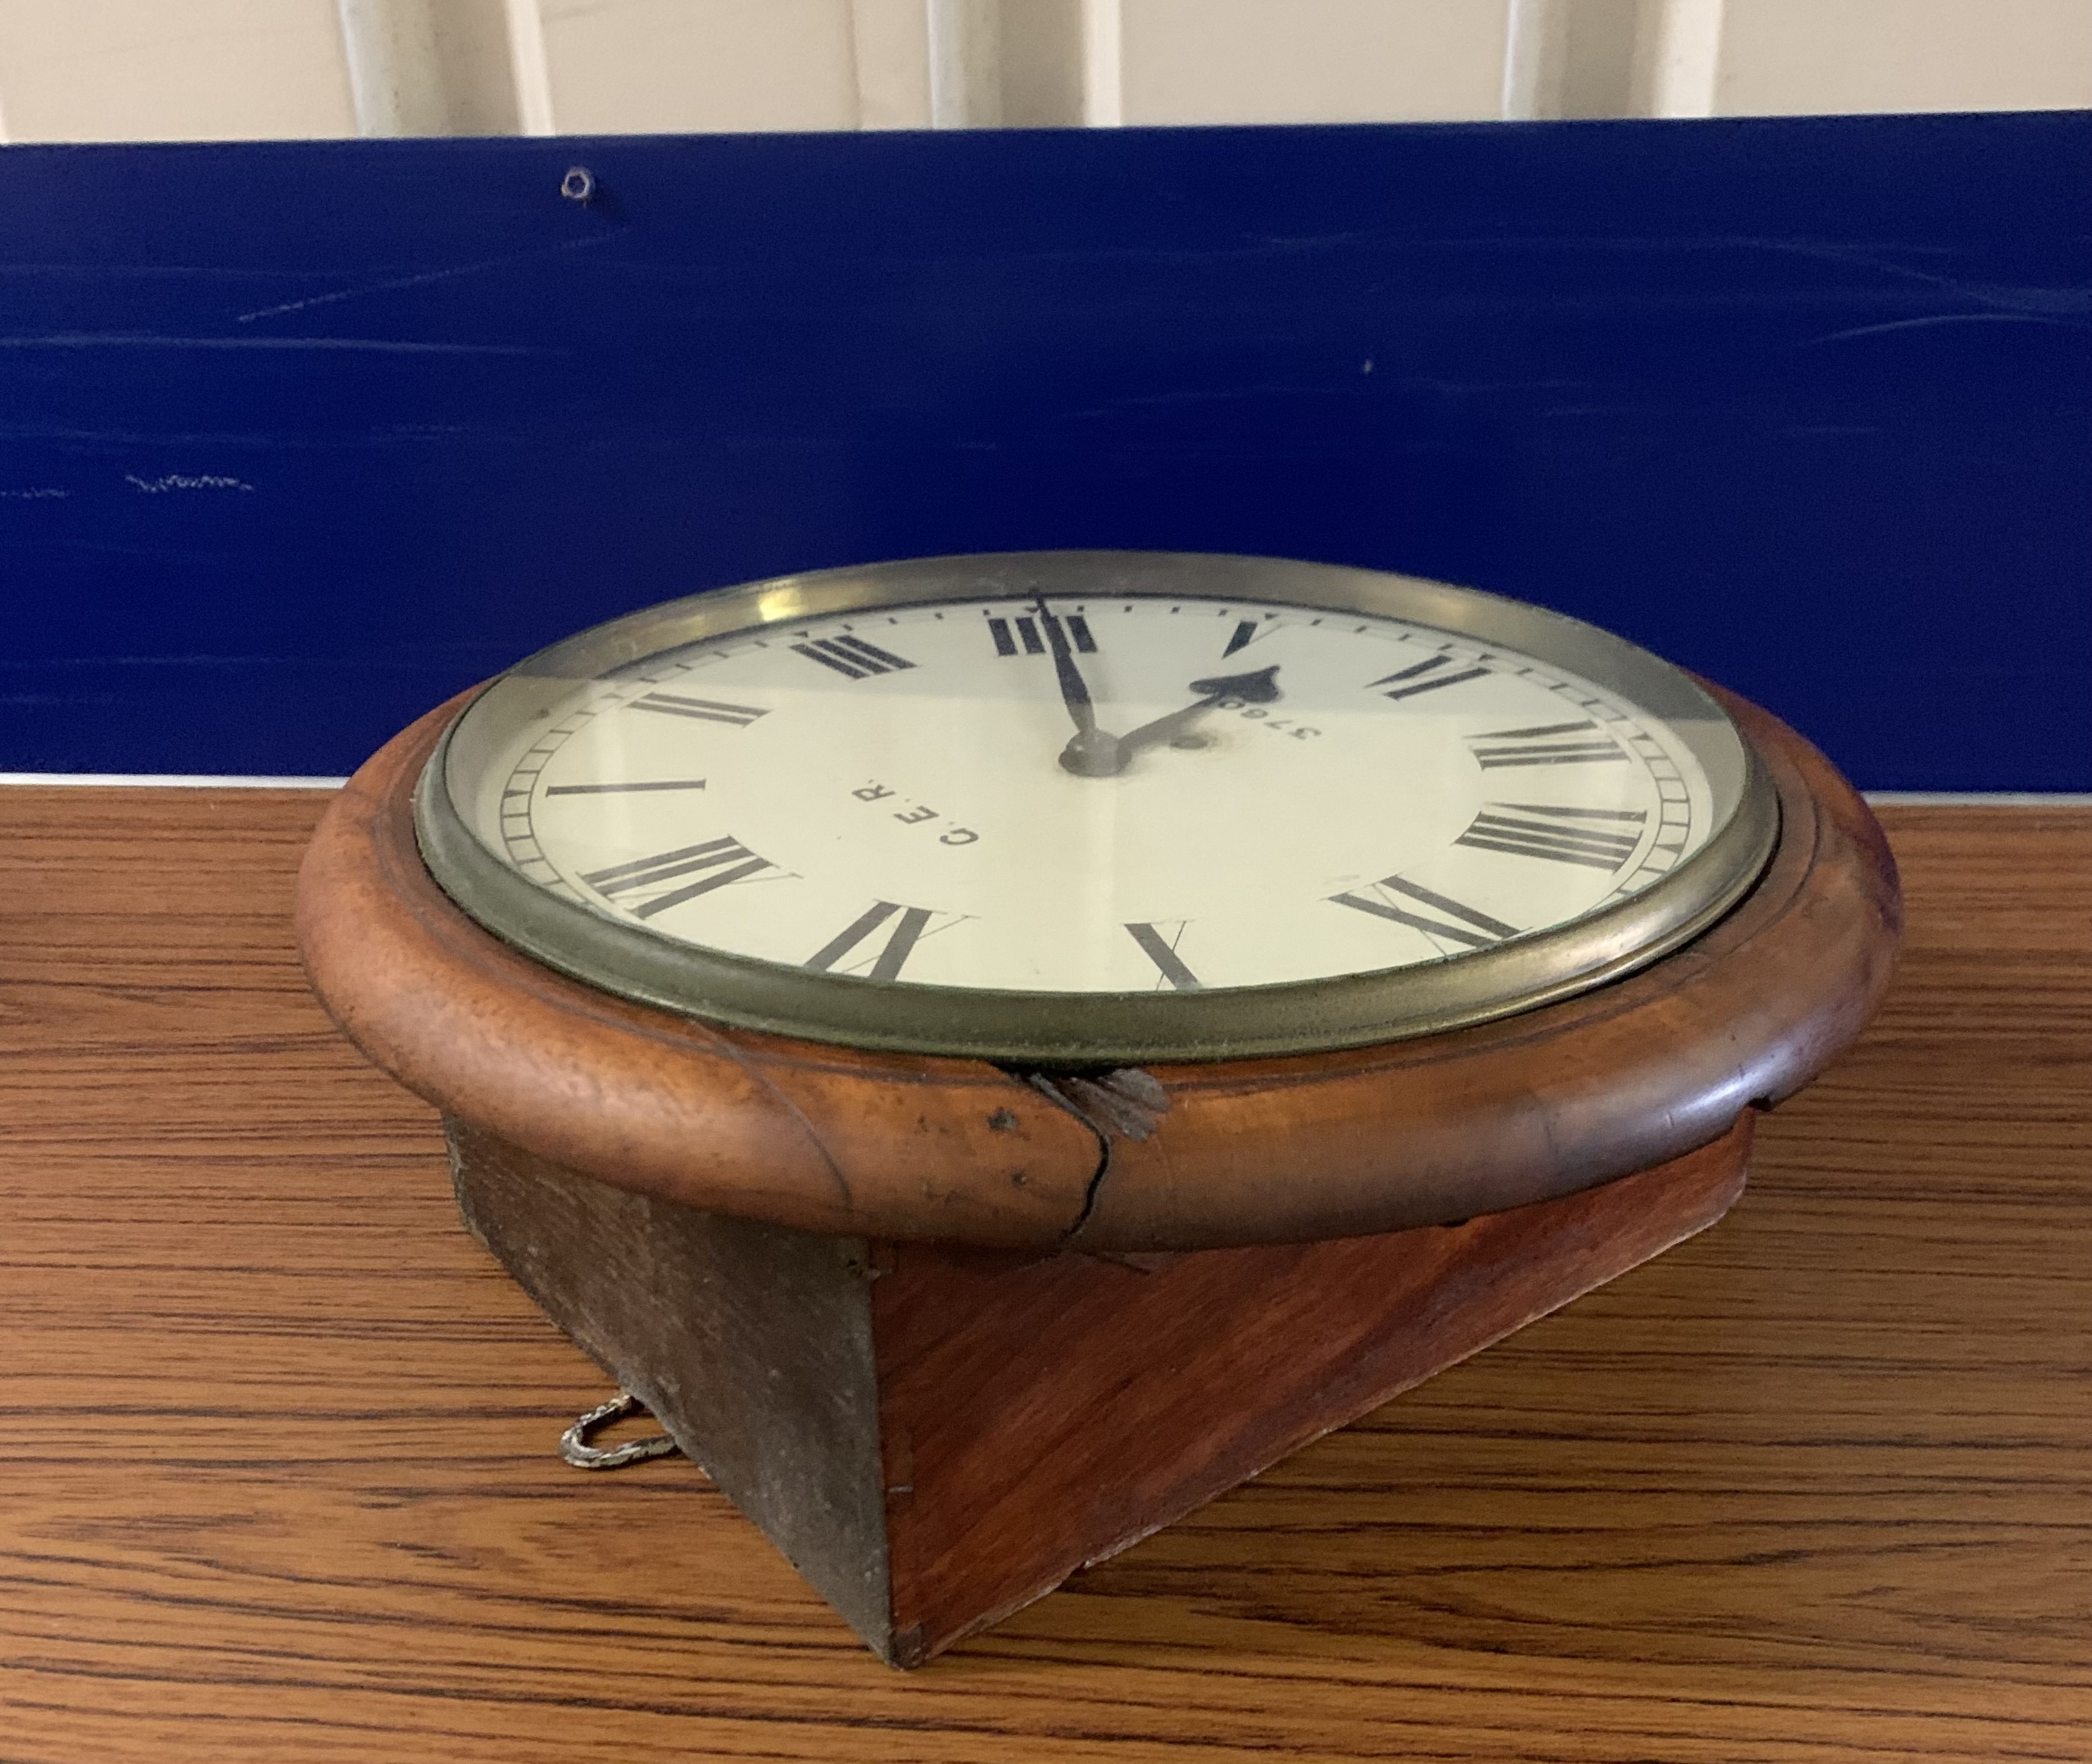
1089, 1029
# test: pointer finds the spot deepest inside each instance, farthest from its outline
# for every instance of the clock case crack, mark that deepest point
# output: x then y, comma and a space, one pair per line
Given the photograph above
1124, 1100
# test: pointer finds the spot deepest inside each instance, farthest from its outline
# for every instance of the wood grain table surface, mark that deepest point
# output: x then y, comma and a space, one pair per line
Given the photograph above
277, 1479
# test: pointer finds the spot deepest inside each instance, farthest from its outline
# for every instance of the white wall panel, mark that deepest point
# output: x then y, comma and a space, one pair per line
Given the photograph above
638, 66
1311, 60
1805, 57
141, 70
172, 69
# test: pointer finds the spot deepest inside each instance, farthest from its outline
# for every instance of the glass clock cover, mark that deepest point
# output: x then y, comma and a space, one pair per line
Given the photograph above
1092, 807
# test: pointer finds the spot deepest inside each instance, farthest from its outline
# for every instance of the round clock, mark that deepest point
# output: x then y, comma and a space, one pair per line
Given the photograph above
1081, 808
994, 1050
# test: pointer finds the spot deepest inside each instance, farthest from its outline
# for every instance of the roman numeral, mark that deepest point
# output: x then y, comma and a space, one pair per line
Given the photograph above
1545, 744
605, 789
714, 854
1427, 676
1027, 640
900, 942
1534, 830
851, 656
704, 710
1476, 930
1162, 952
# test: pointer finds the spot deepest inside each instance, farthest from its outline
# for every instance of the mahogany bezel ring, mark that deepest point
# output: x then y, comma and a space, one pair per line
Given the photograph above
1431, 1130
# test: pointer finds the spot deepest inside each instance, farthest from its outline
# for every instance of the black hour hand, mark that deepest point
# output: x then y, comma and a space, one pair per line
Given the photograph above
1259, 688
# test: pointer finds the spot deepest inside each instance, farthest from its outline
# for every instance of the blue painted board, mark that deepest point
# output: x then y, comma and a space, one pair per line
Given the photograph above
297, 438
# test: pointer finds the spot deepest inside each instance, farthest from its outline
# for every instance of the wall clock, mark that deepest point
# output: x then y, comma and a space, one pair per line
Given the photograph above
994, 1050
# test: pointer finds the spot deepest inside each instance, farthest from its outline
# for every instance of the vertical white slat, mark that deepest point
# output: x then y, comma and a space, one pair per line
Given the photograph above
529, 73
1680, 58
430, 67
1535, 58
965, 63
1103, 64
968, 63
1042, 63
890, 46
392, 69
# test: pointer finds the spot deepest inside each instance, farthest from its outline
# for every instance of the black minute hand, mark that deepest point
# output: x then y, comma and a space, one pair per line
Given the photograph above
1091, 753
1259, 688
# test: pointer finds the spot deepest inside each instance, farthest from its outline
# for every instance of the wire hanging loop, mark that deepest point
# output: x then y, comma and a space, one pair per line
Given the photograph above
575, 1448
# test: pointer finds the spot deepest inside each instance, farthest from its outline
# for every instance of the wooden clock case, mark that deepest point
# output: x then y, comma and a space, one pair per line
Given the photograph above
946, 1331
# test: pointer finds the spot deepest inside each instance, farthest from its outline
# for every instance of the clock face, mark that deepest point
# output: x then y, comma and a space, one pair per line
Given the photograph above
1097, 805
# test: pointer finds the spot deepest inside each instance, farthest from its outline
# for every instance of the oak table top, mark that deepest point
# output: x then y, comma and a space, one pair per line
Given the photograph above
277, 1480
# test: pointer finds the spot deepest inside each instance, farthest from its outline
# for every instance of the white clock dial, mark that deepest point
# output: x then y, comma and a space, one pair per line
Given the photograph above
1272, 793
1081, 808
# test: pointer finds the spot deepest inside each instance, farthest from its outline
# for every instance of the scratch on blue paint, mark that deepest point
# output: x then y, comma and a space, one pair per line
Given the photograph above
419, 280
155, 486
1940, 319
111, 339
